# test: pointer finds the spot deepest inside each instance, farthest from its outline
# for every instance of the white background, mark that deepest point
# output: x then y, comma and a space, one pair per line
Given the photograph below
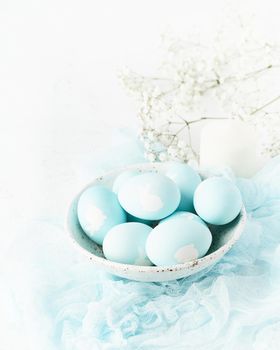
59, 94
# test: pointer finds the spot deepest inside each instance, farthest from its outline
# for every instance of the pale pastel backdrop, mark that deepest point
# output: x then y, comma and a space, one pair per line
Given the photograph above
61, 104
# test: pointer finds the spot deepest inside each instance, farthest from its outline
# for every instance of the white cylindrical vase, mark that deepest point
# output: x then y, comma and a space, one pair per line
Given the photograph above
229, 143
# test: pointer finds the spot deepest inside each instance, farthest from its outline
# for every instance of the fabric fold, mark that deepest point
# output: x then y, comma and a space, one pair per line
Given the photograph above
233, 305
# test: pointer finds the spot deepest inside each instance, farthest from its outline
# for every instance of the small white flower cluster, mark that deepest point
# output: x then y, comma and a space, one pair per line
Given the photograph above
228, 74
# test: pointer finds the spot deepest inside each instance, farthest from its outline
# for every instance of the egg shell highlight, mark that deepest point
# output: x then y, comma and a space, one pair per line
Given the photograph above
122, 178
149, 196
187, 179
186, 214
125, 243
178, 241
217, 201
99, 210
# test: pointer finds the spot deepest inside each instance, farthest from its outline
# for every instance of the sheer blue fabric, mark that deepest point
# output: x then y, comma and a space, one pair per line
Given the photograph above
63, 302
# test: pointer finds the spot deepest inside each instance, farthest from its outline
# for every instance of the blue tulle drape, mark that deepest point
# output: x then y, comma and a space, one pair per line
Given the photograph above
63, 302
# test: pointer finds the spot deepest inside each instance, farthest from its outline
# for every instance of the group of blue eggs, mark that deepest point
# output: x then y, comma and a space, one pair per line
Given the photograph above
154, 218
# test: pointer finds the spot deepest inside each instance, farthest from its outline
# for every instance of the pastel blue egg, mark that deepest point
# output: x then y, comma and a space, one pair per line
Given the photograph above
149, 196
125, 243
122, 178
178, 241
217, 201
99, 210
184, 214
131, 218
187, 179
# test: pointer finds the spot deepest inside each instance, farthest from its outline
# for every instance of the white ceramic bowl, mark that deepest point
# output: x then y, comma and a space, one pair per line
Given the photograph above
224, 237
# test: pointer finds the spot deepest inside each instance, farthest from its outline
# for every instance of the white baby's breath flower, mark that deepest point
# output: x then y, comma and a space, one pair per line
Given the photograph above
229, 70
182, 143
172, 151
151, 157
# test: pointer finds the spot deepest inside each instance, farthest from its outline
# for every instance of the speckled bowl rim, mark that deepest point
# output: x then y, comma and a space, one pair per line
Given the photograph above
149, 269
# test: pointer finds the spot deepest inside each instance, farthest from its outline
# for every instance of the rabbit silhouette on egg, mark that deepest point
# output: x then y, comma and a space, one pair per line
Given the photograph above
149, 196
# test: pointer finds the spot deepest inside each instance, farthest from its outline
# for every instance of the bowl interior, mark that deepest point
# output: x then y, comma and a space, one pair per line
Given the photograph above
223, 236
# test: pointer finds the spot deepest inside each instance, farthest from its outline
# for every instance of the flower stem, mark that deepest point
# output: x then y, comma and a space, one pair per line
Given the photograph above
265, 105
